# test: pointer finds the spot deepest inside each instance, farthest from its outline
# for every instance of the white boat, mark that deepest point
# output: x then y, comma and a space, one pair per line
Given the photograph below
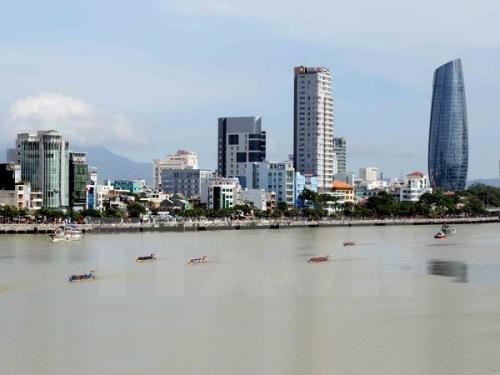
66, 233
447, 229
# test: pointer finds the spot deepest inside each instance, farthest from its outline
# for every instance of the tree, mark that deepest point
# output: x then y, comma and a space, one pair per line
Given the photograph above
135, 209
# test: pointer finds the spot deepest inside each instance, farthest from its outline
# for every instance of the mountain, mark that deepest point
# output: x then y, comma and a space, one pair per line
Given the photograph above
112, 166
485, 181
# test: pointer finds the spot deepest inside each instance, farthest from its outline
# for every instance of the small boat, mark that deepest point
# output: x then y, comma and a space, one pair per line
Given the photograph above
440, 235
146, 258
447, 229
349, 243
203, 259
85, 276
319, 259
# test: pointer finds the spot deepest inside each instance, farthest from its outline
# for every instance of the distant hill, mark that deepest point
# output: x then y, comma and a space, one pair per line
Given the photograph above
485, 181
112, 166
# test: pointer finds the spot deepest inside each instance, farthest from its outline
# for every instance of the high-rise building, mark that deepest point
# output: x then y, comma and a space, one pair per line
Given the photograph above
313, 124
78, 180
340, 150
182, 159
448, 153
44, 160
240, 140
369, 174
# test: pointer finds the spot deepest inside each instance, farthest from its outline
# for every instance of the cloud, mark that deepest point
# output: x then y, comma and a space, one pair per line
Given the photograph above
80, 122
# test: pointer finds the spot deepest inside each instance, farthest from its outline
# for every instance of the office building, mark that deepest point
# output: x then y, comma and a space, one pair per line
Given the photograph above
182, 159
369, 174
240, 140
185, 181
340, 150
218, 193
132, 186
448, 152
272, 177
313, 124
78, 180
44, 161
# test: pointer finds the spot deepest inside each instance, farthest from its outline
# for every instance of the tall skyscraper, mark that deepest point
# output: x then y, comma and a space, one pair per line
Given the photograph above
448, 154
78, 180
44, 160
313, 124
340, 150
240, 140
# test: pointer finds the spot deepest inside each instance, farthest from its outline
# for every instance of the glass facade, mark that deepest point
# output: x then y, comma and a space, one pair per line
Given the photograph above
78, 180
448, 153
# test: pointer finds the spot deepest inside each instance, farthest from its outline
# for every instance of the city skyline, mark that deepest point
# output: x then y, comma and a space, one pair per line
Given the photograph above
88, 74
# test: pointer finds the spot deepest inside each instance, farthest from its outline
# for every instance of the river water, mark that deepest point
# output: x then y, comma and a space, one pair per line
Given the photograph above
399, 302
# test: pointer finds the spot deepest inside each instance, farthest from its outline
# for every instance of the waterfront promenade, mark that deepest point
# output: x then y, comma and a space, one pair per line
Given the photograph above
221, 224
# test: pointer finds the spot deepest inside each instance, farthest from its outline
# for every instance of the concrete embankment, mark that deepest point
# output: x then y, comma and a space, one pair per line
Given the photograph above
192, 226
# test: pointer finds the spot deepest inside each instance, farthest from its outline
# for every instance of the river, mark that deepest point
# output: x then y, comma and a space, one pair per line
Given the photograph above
398, 302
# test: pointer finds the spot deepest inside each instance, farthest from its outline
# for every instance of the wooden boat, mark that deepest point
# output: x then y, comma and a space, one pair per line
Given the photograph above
85, 276
203, 259
349, 243
146, 258
319, 259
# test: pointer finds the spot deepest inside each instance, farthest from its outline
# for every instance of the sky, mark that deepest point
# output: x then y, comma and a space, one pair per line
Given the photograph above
146, 77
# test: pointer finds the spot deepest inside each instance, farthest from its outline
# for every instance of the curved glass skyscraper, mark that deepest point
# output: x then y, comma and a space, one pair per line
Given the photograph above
448, 155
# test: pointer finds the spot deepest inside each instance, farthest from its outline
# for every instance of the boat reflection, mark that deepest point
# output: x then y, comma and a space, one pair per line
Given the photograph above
458, 270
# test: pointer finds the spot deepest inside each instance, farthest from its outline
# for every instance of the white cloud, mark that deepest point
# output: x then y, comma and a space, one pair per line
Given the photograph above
80, 122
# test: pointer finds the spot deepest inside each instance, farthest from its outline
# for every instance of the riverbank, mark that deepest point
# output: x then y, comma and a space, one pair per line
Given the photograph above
192, 226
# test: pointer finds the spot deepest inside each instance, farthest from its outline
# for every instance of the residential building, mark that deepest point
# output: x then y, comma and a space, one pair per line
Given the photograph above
313, 124
270, 176
240, 140
93, 174
44, 161
448, 153
415, 185
340, 150
91, 199
343, 191
182, 159
185, 181
220, 192
13, 191
304, 182
78, 180
255, 197
132, 186
369, 174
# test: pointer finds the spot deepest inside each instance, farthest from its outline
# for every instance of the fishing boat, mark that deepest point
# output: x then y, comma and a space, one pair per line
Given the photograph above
68, 232
439, 235
83, 277
319, 259
146, 258
203, 259
349, 243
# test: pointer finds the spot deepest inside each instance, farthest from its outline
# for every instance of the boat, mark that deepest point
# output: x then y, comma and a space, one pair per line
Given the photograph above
203, 259
349, 243
68, 232
83, 277
447, 229
319, 259
146, 258
439, 235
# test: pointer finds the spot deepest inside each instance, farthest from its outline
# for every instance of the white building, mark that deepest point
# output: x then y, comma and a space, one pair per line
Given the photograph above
415, 185
314, 124
277, 177
221, 192
182, 159
188, 182
240, 140
369, 174
255, 197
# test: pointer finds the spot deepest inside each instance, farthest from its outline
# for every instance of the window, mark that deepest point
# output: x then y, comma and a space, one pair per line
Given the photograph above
241, 157
233, 139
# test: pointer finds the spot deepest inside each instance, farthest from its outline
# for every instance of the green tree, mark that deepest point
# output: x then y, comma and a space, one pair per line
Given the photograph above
135, 209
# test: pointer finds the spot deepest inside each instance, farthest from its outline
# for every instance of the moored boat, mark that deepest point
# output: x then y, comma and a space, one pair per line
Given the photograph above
69, 232
349, 243
203, 259
319, 259
146, 258
85, 276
